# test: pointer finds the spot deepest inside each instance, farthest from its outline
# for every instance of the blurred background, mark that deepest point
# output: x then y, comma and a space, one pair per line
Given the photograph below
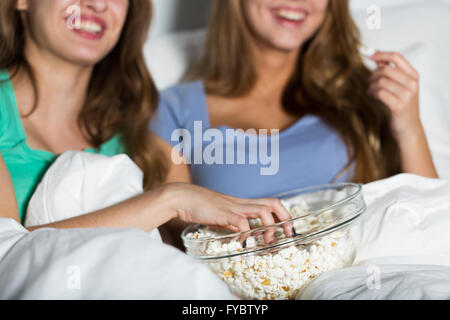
183, 15
418, 29
179, 15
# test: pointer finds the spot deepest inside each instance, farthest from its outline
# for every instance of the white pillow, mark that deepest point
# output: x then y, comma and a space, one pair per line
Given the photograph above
381, 282
81, 182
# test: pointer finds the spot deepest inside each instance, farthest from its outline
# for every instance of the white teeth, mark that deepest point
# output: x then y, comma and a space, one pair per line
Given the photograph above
290, 15
91, 27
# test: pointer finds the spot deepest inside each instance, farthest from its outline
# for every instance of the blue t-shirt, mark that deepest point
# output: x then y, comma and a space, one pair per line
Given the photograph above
244, 164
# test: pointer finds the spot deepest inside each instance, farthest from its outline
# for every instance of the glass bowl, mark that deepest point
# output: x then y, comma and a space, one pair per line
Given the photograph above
278, 261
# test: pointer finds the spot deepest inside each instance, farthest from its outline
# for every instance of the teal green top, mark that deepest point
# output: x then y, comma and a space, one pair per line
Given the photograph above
27, 166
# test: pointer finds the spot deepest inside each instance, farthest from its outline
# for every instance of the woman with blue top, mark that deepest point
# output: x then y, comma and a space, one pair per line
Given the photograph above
74, 78
293, 68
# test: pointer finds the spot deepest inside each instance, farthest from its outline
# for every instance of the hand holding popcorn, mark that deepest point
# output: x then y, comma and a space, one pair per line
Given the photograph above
396, 84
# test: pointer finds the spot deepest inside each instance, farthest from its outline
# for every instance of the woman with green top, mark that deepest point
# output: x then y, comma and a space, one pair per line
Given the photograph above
74, 78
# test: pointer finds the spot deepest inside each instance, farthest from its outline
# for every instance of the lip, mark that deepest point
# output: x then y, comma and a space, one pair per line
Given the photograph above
89, 35
286, 22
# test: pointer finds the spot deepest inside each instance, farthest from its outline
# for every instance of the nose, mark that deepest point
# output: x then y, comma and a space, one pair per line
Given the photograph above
98, 6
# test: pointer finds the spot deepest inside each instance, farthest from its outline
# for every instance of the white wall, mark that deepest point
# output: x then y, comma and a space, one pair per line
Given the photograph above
177, 15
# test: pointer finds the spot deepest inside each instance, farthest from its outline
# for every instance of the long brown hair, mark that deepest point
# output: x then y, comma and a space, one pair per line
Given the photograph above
330, 81
121, 97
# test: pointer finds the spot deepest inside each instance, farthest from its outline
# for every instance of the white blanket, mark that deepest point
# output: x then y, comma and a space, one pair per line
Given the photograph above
405, 252
382, 282
94, 263
98, 264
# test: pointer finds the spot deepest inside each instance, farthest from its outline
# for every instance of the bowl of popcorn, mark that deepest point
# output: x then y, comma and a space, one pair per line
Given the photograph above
278, 261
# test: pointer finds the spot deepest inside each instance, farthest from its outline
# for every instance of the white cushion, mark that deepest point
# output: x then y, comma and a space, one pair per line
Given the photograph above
99, 264
381, 282
81, 182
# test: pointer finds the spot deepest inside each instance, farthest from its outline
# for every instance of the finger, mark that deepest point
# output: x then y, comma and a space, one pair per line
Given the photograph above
244, 232
280, 212
223, 226
382, 64
232, 228
387, 97
262, 212
398, 60
283, 215
237, 221
396, 75
390, 85
243, 236
276, 207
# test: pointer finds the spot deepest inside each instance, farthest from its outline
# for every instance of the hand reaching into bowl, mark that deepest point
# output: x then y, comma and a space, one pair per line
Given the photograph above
195, 204
185, 202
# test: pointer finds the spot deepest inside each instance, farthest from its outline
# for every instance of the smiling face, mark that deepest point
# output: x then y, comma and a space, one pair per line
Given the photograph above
51, 26
284, 24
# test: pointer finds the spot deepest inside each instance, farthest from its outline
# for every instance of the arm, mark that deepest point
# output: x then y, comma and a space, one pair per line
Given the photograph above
131, 213
415, 154
186, 202
396, 84
170, 116
172, 230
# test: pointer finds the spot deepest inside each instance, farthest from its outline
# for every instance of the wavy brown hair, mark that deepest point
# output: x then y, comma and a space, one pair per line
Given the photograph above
330, 81
121, 96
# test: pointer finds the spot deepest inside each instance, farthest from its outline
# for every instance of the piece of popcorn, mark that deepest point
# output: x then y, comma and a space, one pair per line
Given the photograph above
367, 51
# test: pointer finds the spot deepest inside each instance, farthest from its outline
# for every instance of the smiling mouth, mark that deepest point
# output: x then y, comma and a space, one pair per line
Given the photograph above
87, 26
90, 27
289, 14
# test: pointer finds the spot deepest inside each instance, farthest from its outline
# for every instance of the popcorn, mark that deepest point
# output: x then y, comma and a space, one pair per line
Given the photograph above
367, 51
281, 273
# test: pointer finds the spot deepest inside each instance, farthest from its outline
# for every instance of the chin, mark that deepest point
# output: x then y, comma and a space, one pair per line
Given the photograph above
83, 52
287, 46
85, 57
285, 42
